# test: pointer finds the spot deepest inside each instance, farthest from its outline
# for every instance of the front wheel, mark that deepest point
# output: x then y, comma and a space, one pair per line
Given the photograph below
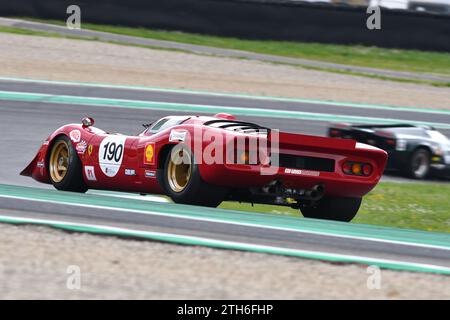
64, 166
333, 208
182, 181
419, 165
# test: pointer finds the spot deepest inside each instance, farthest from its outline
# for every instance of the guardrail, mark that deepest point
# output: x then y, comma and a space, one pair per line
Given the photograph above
255, 19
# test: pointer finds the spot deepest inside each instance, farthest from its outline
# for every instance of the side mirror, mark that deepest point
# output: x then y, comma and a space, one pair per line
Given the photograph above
87, 122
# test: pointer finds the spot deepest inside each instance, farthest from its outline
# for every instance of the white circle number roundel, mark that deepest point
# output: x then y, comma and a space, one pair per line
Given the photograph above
110, 154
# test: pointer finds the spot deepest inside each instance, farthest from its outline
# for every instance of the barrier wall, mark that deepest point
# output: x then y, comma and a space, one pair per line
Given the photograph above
254, 19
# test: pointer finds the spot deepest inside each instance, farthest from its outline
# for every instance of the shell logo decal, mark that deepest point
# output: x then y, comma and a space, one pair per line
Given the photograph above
149, 154
75, 136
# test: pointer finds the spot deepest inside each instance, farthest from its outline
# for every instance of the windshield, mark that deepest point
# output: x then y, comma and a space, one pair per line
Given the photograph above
165, 123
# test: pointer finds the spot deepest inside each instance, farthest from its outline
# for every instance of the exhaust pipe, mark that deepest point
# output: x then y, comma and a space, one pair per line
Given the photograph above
316, 193
275, 189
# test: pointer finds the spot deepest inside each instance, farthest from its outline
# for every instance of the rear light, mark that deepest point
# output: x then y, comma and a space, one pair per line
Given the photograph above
367, 169
390, 142
347, 168
246, 152
357, 168
335, 133
246, 157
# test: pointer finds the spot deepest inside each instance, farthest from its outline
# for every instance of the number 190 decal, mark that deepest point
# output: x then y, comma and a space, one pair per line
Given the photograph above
111, 154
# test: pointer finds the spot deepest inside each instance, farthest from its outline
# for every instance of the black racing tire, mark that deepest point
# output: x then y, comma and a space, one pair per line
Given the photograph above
419, 164
72, 179
333, 208
195, 191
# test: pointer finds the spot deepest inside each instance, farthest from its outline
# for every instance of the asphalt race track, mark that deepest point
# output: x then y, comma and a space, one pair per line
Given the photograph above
36, 118
30, 111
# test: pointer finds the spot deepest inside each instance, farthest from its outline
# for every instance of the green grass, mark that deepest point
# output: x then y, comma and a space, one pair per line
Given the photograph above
380, 77
393, 59
422, 206
23, 31
357, 55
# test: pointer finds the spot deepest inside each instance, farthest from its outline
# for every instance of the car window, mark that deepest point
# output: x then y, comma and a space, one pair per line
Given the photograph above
158, 125
166, 123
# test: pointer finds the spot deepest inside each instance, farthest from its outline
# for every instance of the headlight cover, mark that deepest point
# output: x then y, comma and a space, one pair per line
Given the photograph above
401, 145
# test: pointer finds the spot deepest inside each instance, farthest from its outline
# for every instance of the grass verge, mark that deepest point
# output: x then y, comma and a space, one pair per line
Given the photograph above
23, 31
389, 59
422, 206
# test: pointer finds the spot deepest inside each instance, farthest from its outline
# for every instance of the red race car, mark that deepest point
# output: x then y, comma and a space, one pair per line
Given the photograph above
202, 160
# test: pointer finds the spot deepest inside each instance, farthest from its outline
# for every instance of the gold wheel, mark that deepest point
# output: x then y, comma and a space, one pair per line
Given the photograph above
179, 171
59, 161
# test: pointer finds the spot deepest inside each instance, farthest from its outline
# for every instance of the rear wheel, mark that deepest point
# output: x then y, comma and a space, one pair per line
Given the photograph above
182, 181
64, 166
419, 165
333, 208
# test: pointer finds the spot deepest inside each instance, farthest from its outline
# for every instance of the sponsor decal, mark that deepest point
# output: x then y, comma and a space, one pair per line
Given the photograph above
40, 164
110, 154
149, 154
90, 173
150, 173
75, 136
81, 147
302, 172
90, 149
130, 172
436, 159
177, 136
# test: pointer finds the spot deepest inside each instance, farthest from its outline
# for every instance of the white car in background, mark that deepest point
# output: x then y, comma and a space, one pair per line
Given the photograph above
435, 6
390, 4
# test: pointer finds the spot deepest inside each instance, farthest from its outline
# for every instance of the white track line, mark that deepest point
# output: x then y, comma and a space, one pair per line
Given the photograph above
174, 215
233, 245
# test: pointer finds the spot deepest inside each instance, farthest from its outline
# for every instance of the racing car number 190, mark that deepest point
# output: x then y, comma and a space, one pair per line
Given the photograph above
111, 154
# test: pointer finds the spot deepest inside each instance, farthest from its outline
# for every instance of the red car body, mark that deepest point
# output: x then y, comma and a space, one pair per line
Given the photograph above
138, 168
